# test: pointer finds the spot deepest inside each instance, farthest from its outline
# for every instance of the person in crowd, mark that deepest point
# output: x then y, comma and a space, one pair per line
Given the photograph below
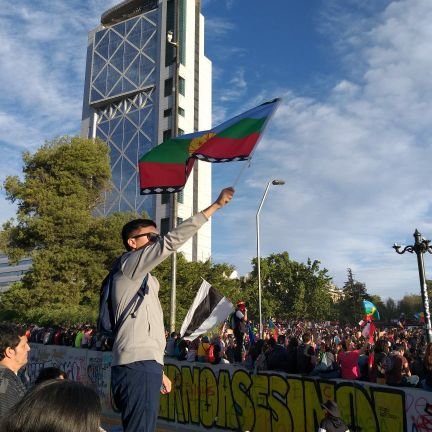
292, 355
277, 358
49, 373
380, 356
397, 369
170, 344
348, 360
55, 406
203, 349
14, 350
138, 351
327, 366
306, 359
240, 328
427, 363
332, 421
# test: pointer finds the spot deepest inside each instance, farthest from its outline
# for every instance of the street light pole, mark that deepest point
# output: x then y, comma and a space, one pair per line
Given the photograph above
174, 133
275, 183
420, 247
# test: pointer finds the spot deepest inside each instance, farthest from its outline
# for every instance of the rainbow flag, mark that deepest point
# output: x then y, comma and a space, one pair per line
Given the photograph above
420, 316
166, 167
370, 310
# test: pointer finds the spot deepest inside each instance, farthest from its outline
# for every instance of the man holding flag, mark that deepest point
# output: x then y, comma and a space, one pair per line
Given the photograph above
137, 375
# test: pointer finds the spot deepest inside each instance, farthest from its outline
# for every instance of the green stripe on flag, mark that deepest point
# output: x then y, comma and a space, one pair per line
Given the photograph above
170, 151
243, 128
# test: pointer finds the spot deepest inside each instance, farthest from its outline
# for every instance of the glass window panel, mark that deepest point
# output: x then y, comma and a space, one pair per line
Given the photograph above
165, 198
133, 71
127, 86
117, 58
117, 89
182, 85
167, 134
112, 78
102, 47
130, 23
98, 64
168, 87
146, 70
95, 95
181, 111
120, 28
133, 116
100, 82
165, 226
180, 197
167, 112
114, 42
134, 37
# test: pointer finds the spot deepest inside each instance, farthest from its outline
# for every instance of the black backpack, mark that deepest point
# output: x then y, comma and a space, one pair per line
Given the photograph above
106, 324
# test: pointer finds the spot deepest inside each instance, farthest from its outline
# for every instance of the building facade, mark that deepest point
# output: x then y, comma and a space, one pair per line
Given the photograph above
10, 273
142, 88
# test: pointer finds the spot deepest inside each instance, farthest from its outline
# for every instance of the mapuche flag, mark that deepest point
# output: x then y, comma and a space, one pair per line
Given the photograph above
166, 167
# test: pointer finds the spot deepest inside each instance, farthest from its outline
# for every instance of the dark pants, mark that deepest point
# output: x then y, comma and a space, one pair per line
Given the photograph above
136, 392
238, 353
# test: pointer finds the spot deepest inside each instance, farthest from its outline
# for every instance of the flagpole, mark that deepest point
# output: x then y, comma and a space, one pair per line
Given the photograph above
245, 165
173, 202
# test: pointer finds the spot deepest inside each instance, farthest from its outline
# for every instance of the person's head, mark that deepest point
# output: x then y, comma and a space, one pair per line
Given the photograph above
13, 347
331, 409
138, 233
281, 339
400, 348
306, 338
49, 373
56, 406
241, 305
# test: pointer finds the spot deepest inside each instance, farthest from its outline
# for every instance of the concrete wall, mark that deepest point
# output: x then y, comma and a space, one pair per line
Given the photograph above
225, 397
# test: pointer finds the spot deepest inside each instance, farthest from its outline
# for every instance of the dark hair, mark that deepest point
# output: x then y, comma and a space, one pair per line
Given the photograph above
49, 373
56, 406
306, 337
132, 226
9, 337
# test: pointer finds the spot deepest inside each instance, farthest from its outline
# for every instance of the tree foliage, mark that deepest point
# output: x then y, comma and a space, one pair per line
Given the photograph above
56, 226
290, 289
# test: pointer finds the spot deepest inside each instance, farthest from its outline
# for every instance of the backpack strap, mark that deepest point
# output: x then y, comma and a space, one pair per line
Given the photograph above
138, 298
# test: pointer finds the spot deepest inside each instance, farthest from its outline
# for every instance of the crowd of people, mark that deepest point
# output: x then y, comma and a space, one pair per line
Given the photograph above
393, 356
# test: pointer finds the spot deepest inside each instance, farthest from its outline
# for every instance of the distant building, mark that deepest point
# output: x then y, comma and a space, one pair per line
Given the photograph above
12, 273
130, 101
336, 293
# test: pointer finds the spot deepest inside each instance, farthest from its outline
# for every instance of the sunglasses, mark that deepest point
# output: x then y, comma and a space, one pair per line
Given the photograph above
151, 236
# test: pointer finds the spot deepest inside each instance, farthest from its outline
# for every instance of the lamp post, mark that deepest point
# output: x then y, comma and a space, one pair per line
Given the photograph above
174, 132
275, 183
420, 247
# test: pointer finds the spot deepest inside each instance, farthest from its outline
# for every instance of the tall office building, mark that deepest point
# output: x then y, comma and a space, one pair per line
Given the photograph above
146, 79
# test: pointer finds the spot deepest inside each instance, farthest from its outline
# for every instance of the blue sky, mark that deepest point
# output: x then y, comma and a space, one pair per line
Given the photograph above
352, 139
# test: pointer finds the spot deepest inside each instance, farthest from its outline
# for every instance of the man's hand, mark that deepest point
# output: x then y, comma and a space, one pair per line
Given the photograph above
224, 198
166, 384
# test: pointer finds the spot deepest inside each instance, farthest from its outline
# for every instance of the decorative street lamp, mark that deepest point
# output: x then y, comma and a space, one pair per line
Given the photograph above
420, 247
275, 183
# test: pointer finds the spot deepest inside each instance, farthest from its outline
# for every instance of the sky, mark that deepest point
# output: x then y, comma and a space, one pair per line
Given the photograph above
352, 138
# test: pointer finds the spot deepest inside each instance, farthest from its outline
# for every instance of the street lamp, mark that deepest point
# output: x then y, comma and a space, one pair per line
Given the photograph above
275, 183
420, 247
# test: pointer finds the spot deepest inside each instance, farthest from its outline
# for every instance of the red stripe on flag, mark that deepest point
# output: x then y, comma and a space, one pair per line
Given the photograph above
225, 148
154, 174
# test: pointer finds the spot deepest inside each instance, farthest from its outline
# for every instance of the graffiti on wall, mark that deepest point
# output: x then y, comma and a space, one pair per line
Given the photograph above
231, 398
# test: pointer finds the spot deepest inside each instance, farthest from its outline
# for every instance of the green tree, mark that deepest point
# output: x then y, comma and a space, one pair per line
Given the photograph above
56, 226
351, 307
291, 289
410, 304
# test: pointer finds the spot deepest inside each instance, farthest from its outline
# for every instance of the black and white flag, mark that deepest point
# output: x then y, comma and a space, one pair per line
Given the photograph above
208, 309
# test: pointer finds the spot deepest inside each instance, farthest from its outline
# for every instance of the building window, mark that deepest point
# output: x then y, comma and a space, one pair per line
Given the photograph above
168, 87
181, 85
179, 221
167, 112
167, 135
180, 132
165, 198
165, 226
180, 197
181, 111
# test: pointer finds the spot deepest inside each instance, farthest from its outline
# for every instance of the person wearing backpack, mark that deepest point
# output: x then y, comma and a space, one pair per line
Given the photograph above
137, 376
